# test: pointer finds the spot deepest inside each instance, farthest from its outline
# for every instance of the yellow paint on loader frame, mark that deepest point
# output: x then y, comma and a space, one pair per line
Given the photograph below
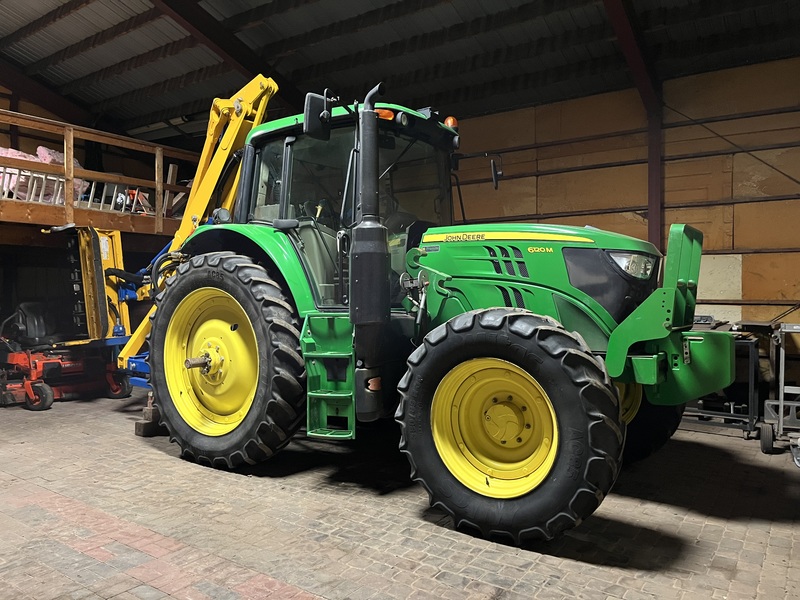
232, 119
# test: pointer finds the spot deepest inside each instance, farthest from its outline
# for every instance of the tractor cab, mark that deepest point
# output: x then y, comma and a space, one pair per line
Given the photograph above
310, 185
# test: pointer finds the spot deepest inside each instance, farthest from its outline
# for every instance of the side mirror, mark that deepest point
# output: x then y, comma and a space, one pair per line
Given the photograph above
497, 172
317, 116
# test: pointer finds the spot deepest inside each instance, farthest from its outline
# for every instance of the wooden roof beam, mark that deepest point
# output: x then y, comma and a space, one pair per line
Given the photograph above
417, 43
43, 22
594, 67
199, 23
93, 41
542, 48
256, 16
163, 87
130, 64
359, 22
43, 96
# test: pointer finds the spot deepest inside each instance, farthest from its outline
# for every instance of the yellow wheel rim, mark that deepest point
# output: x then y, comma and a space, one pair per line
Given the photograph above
630, 399
211, 328
494, 427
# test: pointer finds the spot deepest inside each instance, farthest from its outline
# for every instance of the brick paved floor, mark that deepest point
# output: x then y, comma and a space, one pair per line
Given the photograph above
88, 510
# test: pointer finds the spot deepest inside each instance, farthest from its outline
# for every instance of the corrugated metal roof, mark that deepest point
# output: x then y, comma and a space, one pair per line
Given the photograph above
130, 61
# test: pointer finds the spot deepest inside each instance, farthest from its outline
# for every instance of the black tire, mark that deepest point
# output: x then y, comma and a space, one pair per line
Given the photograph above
766, 438
42, 399
584, 404
121, 388
278, 407
651, 428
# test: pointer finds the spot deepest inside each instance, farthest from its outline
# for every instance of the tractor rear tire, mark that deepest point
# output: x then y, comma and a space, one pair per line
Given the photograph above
42, 399
651, 428
241, 396
510, 424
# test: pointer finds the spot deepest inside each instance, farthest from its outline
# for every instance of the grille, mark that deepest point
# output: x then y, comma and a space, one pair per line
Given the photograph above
507, 261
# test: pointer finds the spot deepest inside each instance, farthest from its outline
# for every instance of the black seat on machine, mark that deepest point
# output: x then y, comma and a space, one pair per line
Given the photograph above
39, 323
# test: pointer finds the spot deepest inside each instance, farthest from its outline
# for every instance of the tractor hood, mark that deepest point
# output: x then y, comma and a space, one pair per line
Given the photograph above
575, 274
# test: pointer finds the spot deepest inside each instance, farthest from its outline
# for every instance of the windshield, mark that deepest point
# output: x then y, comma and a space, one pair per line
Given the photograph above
414, 180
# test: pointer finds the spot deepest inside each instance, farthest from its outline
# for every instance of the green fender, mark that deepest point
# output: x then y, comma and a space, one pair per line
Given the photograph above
259, 242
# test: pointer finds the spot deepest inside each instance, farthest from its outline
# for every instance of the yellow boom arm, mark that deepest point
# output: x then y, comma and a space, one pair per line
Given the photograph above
228, 125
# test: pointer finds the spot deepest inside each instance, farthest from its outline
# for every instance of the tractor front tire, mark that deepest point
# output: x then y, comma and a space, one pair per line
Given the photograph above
226, 369
510, 424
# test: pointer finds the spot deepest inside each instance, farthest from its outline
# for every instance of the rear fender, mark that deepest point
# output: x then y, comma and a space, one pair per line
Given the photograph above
264, 244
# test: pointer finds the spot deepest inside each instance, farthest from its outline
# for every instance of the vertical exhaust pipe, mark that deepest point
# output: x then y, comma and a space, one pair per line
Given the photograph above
369, 253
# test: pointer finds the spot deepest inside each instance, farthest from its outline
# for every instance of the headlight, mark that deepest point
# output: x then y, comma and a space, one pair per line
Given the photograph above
635, 265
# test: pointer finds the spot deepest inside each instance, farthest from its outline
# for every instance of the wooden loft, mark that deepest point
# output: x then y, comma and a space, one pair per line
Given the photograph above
50, 194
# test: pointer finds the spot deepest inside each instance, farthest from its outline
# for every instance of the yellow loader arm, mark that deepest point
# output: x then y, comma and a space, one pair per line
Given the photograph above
228, 125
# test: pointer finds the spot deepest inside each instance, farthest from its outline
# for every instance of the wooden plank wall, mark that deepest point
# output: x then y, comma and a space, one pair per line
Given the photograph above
748, 211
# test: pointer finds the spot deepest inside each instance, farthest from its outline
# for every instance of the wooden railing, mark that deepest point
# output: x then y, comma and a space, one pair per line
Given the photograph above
46, 194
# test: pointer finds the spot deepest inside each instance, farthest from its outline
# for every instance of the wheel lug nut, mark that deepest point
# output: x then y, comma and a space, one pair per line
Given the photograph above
494, 400
524, 408
519, 440
527, 425
502, 441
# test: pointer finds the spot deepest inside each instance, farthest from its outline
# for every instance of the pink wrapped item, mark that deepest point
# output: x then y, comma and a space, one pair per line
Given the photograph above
20, 186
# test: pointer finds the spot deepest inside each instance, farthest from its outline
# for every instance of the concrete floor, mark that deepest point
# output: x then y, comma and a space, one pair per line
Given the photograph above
88, 510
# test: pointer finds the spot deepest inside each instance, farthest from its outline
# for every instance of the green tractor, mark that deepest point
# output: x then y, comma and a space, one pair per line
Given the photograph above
337, 290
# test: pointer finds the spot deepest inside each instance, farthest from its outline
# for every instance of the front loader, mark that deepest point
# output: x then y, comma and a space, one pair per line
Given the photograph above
338, 290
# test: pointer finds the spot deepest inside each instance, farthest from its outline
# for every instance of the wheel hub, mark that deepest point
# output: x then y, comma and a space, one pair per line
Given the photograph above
505, 422
212, 352
494, 427
209, 337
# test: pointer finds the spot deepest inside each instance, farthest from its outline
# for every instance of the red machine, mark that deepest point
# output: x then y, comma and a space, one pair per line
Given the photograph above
36, 378
61, 338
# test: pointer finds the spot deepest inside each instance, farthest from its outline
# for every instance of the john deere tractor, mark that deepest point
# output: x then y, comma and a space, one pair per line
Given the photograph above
337, 290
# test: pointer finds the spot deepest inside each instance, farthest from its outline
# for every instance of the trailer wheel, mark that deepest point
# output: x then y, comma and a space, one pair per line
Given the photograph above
650, 426
226, 369
42, 397
510, 424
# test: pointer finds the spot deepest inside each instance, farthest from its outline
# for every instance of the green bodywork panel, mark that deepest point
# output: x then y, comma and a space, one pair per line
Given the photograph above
462, 264
522, 266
